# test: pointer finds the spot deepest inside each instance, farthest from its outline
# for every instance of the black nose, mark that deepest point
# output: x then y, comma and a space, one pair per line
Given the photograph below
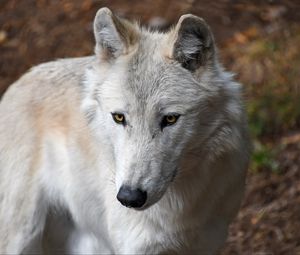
132, 198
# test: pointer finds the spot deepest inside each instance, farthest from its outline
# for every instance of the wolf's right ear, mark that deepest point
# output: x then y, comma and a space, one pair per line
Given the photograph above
193, 42
114, 36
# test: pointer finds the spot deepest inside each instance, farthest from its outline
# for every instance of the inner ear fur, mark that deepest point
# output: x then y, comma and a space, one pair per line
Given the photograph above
114, 36
193, 42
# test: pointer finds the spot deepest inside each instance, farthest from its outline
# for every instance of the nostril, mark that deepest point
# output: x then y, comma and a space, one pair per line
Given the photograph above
132, 197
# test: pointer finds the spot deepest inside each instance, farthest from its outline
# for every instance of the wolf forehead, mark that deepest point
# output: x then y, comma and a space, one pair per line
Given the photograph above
149, 77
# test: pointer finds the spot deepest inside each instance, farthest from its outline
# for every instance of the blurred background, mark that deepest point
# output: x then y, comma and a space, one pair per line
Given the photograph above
258, 40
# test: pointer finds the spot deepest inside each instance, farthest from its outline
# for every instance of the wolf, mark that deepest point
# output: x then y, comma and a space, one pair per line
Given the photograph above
141, 148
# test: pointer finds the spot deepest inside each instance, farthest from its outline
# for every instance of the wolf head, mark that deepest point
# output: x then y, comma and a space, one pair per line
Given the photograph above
150, 99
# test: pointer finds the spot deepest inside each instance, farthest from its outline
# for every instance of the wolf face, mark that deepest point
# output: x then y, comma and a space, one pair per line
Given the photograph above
146, 98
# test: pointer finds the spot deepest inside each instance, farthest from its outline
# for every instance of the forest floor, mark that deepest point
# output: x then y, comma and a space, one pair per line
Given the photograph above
259, 40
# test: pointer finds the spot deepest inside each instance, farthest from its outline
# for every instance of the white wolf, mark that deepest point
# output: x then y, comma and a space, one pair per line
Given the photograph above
142, 148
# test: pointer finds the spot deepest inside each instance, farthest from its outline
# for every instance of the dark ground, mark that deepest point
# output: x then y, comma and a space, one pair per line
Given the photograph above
35, 31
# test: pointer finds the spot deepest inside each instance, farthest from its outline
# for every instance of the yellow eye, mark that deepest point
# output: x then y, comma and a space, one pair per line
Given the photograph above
119, 118
169, 120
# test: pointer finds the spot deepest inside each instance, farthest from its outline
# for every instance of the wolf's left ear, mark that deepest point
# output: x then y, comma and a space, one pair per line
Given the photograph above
114, 36
193, 42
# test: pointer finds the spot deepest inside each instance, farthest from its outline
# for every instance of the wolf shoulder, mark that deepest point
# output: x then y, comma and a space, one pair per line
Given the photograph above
45, 99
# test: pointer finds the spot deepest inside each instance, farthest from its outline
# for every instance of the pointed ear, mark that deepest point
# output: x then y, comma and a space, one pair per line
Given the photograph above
193, 42
114, 36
